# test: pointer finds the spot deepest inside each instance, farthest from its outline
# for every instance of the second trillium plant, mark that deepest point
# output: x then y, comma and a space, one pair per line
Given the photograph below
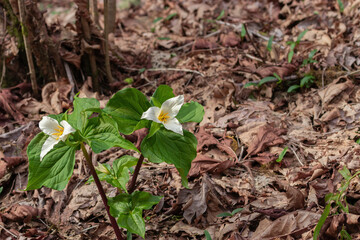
52, 152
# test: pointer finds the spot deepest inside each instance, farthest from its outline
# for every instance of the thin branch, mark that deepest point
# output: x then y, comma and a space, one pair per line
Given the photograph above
1, 226
176, 70
28, 49
297, 157
102, 193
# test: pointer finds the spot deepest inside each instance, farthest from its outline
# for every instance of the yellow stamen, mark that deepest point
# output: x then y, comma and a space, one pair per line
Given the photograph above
58, 131
163, 117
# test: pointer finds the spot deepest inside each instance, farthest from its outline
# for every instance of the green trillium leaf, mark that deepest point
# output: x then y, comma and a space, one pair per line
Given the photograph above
161, 94
102, 133
173, 148
78, 118
191, 112
56, 168
128, 208
126, 108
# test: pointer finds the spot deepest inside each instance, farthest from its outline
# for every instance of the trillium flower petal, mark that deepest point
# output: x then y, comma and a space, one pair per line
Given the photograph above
47, 125
67, 130
174, 125
152, 114
48, 145
172, 105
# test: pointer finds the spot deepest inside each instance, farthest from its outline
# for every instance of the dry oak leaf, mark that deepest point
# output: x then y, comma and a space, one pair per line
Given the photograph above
230, 39
266, 136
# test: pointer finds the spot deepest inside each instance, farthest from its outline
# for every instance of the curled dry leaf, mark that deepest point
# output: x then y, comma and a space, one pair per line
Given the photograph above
200, 199
267, 136
282, 71
203, 44
19, 213
230, 39
202, 164
293, 223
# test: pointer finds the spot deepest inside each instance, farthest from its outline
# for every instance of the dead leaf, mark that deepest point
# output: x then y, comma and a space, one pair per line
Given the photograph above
267, 136
19, 213
230, 39
202, 164
282, 71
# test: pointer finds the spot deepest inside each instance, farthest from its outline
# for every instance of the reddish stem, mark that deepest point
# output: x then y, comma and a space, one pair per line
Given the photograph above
102, 193
131, 187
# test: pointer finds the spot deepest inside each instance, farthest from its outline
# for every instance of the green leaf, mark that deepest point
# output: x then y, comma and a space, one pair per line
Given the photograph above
79, 116
306, 80
266, 79
157, 19
56, 168
312, 53
1, 189
101, 134
278, 78
269, 44
321, 221
341, 6
293, 88
282, 154
345, 173
301, 35
170, 16
345, 235
290, 55
221, 15
173, 148
243, 31
224, 214
250, 84
207, 235
127, 208
154, 128
191, 112
126, 108
161, 94
235, 211
129, 80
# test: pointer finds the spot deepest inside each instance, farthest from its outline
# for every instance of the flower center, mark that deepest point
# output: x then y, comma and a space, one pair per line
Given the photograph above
58, 131
163, 117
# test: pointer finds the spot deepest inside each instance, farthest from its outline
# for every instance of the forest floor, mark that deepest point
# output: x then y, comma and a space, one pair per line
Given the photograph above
239, 59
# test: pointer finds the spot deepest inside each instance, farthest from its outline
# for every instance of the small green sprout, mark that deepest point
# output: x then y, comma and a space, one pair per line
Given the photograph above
227, 214
221, 15
294, 44
269, 44
282, 154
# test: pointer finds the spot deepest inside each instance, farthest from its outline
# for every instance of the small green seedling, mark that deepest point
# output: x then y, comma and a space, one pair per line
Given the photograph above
282, 154
306, 82
310, 59
1, 189
265, 80
243, 31
207, 235
294, 44
341, 6
338, 199
128, 80
227, 214
221, 15
269, 44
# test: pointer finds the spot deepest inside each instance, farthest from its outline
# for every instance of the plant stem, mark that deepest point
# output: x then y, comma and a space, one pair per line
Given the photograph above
135, 175
102, 193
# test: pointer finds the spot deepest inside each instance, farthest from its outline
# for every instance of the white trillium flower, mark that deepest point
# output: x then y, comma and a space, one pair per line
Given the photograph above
57, 132
166, 114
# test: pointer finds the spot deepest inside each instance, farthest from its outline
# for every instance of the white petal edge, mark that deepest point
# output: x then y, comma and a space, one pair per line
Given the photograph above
67, 130
47, 125
152, 114
172, 105
48, 145
174, 125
